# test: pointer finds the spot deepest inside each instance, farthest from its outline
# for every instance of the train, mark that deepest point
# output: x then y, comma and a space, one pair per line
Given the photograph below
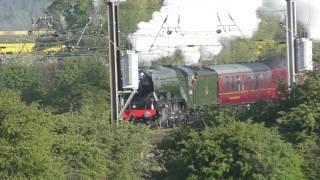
168, 93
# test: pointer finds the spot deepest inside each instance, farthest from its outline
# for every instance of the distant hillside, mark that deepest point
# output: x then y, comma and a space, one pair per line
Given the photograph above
17, 14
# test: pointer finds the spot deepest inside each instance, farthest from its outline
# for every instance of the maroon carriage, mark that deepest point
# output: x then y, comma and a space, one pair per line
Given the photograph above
245, 83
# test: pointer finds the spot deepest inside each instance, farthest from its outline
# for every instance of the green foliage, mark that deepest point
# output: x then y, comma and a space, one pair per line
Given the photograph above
215, 116
23, 78
92, 149
309, 91
62, 86
76, 13
236, 51
234, 151
81, 143
298, 116
300, 122
175, 59
134, 11
77, 142
130, 152
316, 51
297, 119
72, 80
82, 154
301, 103
266, 43
265, 112
310, 150
269, 28
35, 144
26, 141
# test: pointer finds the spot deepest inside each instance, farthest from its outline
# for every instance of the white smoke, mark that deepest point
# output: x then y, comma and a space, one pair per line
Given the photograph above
196, 26
308, 13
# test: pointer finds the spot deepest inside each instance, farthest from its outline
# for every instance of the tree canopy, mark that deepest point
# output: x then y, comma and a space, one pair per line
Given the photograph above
68, 135
237, 150
26, 141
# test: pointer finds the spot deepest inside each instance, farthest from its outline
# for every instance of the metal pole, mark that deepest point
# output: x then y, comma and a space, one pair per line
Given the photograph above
113, 64
291, 34
117, 37
83, 31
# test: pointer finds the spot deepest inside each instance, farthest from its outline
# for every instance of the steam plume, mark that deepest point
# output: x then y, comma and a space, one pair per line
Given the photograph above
195, 26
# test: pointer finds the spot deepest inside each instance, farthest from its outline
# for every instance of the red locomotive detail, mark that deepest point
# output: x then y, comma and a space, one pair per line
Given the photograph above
142, 112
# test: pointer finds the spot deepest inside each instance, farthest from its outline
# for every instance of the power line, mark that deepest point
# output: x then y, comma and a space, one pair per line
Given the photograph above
164, 21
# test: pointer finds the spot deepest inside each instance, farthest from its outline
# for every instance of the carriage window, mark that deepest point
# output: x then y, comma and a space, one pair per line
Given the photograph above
257, 82
236, 83
225, 84
252, 82
261, 78
260, 81
230, 84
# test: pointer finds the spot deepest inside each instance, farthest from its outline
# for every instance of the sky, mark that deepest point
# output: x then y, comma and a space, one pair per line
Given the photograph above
197, 26
17, 14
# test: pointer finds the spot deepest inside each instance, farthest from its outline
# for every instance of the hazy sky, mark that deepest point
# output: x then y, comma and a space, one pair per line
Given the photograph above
184, 23
17, 14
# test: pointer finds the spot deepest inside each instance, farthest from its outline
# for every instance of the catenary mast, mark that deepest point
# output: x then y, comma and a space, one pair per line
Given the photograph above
291, 30
123, 66
114, 56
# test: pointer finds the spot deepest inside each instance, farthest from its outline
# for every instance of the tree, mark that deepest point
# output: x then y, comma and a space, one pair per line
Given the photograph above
130, 152
26, 141
76, 13
76, 144
310, 150
236, 151
134, 11
175, 59
72, 81
23, 78
266, 43
300, 122
316, 52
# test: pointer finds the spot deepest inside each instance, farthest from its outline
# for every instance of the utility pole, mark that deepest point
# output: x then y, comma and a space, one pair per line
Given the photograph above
114, 57
291, 25
124, 73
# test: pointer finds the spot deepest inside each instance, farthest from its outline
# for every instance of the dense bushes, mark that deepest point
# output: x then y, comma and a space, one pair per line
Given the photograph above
229, 149
60, 129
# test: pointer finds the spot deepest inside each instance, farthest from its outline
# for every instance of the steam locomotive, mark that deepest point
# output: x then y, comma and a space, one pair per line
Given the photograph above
175, 92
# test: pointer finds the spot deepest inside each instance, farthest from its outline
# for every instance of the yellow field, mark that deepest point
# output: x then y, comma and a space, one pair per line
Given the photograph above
14, 48
54, 49
18, 33
15, 42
